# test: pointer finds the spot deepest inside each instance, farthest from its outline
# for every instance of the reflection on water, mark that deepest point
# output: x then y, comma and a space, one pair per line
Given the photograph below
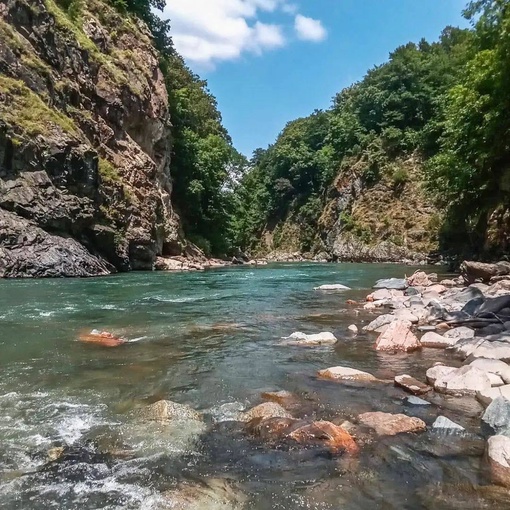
211, 340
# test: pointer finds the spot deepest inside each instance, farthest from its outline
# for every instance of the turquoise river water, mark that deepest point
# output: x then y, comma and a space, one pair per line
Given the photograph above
211, 340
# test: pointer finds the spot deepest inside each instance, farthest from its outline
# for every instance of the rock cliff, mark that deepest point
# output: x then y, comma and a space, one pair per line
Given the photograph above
389, 220
84, 143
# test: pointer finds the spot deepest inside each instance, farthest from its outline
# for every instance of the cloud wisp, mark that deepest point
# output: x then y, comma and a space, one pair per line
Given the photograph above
309, 29
207, 32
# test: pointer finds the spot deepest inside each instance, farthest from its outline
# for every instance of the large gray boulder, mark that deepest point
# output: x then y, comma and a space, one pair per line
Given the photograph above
496, 419
466, 380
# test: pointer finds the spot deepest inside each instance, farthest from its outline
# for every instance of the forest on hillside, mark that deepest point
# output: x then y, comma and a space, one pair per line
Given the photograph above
444, 103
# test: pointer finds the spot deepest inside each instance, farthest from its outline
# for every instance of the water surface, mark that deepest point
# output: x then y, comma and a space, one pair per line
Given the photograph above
210, 340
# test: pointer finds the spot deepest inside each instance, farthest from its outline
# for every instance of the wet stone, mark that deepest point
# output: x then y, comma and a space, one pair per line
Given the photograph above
411, 385
416, 401
496, 419
444, 424
386, 424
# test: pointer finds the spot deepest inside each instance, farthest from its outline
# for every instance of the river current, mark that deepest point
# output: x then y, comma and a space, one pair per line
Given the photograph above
211, 340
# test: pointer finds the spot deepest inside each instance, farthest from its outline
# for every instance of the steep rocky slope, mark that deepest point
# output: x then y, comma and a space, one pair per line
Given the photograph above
84, 143
390, 220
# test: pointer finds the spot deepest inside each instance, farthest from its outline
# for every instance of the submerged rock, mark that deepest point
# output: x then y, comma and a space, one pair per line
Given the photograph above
336, 286
305, 433
353, 329
211, 494
266, 410
334, 437
284, 398
166, 410
416, 401
498, 458
411, 385
345, 374
386, 424
443, 423
397, 337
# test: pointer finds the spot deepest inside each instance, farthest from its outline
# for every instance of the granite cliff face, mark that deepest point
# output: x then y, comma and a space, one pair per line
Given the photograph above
84, 143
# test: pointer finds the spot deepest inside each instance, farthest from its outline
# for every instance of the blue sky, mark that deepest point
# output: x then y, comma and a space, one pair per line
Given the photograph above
271, 61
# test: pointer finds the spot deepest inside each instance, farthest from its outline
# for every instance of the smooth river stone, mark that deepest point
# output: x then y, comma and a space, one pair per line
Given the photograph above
345, 374
411, 385
391, 283
298, 338
437, 341
386, 424
336, 286
488, 395
493, 366
266, 410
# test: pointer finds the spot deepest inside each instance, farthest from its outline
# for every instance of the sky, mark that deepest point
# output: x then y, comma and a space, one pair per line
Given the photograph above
272, 61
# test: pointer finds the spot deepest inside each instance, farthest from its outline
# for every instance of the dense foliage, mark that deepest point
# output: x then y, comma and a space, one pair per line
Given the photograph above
446, 102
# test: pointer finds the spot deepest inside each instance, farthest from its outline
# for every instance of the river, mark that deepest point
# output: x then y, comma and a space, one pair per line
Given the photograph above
210, 340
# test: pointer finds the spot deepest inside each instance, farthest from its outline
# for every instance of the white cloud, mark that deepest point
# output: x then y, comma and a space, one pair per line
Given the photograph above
207, 32
309, 29
210, 31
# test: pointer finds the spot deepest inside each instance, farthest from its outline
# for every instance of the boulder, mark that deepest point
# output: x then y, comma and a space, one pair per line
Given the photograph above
406, 315
466, 380
464, 295
411, 385
391, 283
496, 419
166, 411
460, 333
438, 372
386, 424
472, 271
435, 340
486, 396
483, 348
298, 338
379, 294
305, 433
443, 423
211, 494
379, 322
498, 459
337, 439
437, 289
353, 329
397, 337
495, 380
336, 286
266, 410
345, 374
419, 279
